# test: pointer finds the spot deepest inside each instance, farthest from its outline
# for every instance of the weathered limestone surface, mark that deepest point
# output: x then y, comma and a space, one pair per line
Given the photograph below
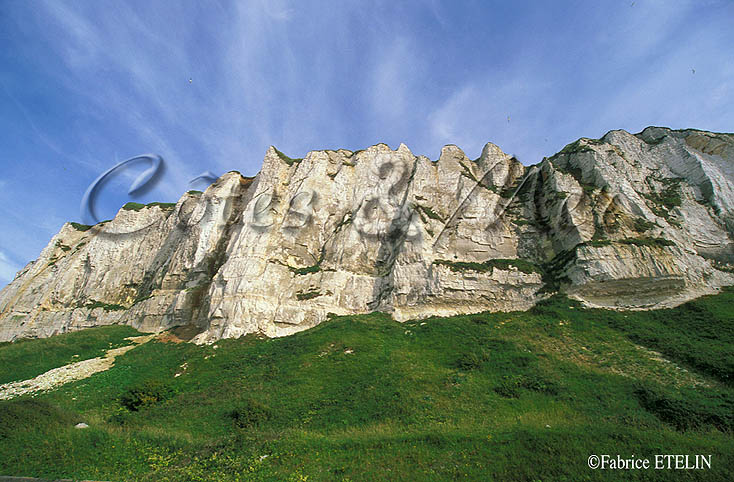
625, 221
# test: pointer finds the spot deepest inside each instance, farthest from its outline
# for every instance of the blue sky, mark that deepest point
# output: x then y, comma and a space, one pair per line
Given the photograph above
210, 85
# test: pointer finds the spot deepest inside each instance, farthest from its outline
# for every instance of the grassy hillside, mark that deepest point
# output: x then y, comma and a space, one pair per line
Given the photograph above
25, 359
508, 396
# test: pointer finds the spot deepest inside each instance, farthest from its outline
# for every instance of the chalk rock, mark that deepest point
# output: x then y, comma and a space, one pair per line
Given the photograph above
626, 221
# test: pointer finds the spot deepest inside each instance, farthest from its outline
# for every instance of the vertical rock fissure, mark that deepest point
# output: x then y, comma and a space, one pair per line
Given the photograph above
391, 244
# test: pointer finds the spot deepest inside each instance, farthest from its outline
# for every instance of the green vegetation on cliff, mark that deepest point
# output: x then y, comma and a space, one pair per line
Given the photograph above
133, 206
489, 265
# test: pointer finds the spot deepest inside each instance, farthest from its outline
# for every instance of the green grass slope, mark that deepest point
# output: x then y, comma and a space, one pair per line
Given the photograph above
505, 396
28, 358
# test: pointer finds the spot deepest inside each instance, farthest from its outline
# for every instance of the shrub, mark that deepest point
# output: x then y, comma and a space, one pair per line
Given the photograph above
80, 227
92, 304
472, 360
308, 295
121, 416
598, 243
162, 205
288, 160
308, 269
489, 265
511, 385
668, 198
508, 387
250, 413
649, 242
133, 206
695, 410
145, 394
641, 225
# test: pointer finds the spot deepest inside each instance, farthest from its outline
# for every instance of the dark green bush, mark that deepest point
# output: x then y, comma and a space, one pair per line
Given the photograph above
288, 160
145, 394
489, 265
472, 360
80, 227
308, 269
121, 416
641, 225
250, 413
92, 304
649, 242
696, 410
598, 243
133, 206
308, 295
511, 385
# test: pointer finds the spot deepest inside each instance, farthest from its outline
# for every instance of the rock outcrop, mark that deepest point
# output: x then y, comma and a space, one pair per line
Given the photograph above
626, 221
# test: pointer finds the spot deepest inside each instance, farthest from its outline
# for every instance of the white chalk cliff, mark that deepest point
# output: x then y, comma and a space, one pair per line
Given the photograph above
626, 221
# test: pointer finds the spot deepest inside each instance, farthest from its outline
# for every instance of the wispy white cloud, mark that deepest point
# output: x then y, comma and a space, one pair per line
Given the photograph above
447, 124
395, 67
493, 107
633, 69
210, 86
7, 269
277, 9
39, 135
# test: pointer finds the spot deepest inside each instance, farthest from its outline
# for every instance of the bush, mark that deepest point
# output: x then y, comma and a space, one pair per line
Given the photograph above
508, 387
472, 360
641, 225
649, 242
307, 270
92, 304
147, 393
250, 413
133, 206
598, 243
695, 410
489, 265
308, 295
288, 160
120, 417
80, 227
511, 385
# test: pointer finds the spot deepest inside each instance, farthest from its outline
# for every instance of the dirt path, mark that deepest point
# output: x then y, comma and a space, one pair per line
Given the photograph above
69, 373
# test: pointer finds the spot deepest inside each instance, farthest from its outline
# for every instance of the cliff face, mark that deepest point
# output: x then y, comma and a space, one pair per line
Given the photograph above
626, 221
